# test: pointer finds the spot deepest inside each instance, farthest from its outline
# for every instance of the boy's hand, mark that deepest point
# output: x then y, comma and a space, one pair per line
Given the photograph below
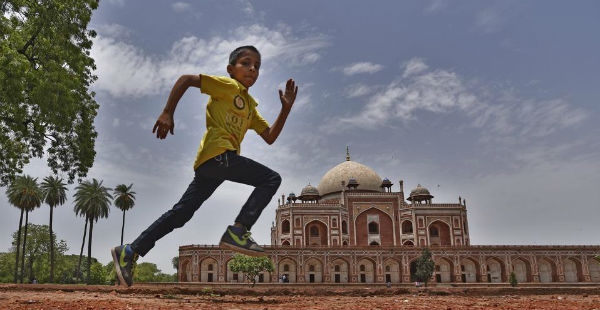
163, 125
287, 99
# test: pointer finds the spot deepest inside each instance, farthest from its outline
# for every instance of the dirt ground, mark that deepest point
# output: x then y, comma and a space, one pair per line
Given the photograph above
175, 297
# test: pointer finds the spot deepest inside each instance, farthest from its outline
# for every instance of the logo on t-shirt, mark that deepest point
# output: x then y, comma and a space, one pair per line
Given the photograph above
238, 102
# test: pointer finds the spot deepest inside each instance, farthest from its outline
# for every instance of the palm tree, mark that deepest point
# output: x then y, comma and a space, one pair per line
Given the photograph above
82, 246
124, 200
92, 200
54, 192
25, 194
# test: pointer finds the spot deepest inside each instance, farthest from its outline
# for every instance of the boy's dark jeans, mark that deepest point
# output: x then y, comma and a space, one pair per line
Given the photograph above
208, 176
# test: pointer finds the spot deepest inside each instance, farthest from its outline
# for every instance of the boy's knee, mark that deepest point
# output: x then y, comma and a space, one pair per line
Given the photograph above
276, 179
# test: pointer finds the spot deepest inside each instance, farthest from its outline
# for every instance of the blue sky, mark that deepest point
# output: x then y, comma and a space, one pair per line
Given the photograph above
495, 101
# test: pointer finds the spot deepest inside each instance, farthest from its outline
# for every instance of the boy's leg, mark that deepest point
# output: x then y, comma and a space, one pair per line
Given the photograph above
240, 169
198, 191
244, 170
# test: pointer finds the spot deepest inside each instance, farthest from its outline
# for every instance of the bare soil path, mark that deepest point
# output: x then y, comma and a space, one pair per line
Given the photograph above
174, 297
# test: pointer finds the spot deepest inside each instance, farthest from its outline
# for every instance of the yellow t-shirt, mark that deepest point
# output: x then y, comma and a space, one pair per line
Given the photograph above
230, 112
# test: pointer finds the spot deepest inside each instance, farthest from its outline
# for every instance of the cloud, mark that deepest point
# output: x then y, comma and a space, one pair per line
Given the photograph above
414, 66
501, 114
358, 90
247, 7
180, 7
361, 67
125, 70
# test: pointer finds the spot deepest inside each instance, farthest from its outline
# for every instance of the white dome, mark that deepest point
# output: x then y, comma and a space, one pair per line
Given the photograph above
365, 176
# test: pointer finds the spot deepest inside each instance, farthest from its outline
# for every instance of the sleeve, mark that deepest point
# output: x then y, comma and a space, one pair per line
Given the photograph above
258, 123
216, 86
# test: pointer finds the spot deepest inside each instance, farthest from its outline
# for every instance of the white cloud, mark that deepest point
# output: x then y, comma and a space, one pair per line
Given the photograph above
361, 67
358, 90
247, 7
501, 114
180, 7
125, 70
414, 66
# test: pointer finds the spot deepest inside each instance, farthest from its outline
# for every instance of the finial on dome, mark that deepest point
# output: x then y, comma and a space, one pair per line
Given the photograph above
347, 154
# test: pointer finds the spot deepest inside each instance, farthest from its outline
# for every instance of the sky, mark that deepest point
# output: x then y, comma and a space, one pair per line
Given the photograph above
493, 101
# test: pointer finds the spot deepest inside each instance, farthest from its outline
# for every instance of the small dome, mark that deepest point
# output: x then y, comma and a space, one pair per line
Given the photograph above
309, 190
352, 181
386, 182
420, 193
292, 195
419, 190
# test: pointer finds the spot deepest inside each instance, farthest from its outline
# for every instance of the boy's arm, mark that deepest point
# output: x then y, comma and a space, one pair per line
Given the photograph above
287, 101
165, 122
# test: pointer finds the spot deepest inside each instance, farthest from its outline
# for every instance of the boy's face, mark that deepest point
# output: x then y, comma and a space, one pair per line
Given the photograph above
246, 68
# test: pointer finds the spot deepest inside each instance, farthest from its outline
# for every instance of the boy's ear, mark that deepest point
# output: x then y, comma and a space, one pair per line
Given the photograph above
229, 69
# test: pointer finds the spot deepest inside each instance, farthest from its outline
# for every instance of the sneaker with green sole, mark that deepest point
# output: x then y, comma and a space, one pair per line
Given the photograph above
124, 259
239, 239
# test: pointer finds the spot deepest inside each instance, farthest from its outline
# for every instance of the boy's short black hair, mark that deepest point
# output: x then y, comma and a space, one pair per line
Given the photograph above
233, 57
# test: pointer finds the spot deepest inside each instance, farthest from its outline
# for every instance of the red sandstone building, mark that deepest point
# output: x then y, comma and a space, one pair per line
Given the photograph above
353, 228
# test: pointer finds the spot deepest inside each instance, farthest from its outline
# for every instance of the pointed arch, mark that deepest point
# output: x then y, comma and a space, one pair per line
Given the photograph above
209, 267
496, 270
547, 270
439, 233
339, 270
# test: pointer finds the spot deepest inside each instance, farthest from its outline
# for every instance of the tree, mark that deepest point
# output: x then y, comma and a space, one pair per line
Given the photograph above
513, 279
37, 251
425, 266
25, 194
46, 107
54, 192
175, 262
82, 247
251, 266
124, 200
93, 200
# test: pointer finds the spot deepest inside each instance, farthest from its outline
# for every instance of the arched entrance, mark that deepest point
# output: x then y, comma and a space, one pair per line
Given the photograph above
495, 270
439, 234
547, 270
287, 267
313, 271
522, 270
443, 270
572, 268
408, 243
366, 271
391, 269
315, 234
186, 268
469, 270
208, 270
339, 271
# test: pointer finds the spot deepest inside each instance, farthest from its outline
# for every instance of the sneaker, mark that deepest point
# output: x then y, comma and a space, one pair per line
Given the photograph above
124, 258
238, 239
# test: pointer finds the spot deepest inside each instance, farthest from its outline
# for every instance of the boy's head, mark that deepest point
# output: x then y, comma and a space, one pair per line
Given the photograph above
244, 65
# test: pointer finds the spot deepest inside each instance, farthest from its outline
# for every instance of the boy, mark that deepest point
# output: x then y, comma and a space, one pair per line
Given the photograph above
230, 112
